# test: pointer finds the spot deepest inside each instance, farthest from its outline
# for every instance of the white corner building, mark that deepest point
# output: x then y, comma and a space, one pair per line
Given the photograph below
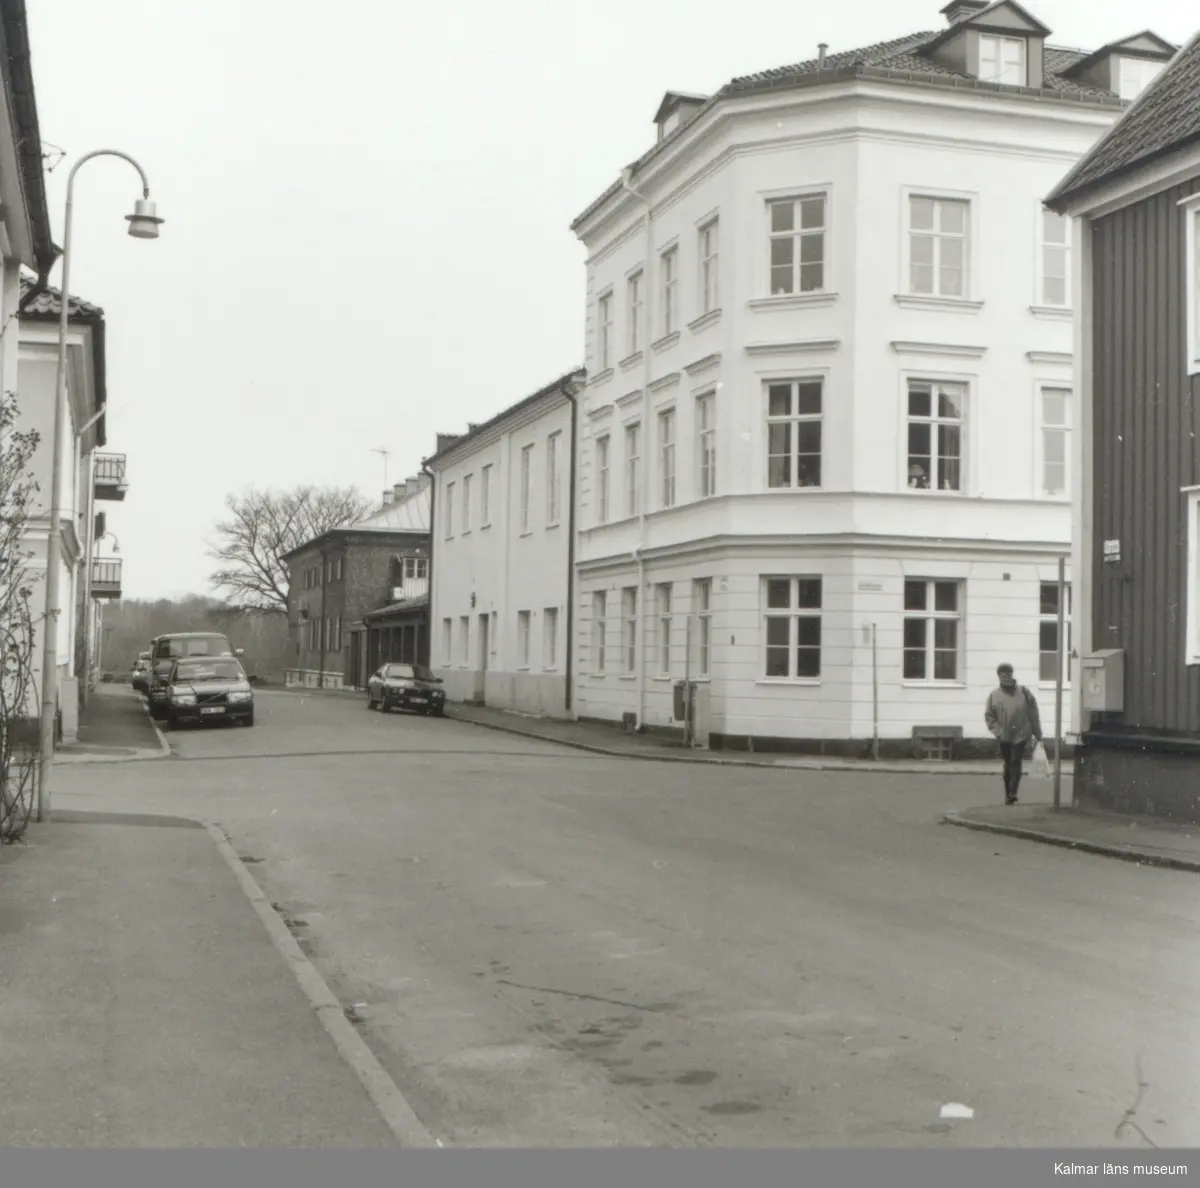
503, 524
824, 445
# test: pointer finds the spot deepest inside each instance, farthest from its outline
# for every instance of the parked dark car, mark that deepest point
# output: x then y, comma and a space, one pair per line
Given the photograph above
208, 689
141, 672
165, 649
406, 687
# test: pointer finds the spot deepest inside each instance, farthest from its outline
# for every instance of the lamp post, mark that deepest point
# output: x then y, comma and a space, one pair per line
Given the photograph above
143, 224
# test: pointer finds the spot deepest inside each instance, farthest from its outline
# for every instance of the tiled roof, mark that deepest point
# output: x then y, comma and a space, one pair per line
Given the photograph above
411, 514
48, 304
397, 608
1165, 117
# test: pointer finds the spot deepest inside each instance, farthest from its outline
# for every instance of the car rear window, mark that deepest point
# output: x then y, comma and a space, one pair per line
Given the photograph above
192, 645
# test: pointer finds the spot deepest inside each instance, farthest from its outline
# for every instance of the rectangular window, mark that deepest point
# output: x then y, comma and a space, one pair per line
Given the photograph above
702, 605
932, 630
522, 639
666, 457
466, 503
635, 303
447, 641
792, 628
662, 596
314, 634
797, 244
464, 640
937, 241
449, 513
629, 629
602, 479
633, 469
1055, 440
526, 478
337, 633
1002, 60
485, 496
706, 443
1048, 633
1136, 74
553, 480
605, 326
794, 411
415, 569
1056, 259
710, 292
936, 417
669, 265
550, 638
599, 632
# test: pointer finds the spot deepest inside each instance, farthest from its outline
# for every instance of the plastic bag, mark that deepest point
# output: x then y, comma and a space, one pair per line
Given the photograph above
1040, 768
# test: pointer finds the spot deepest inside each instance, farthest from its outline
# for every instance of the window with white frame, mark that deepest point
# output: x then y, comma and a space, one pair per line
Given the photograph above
1048, 633
466, 502
662, 606
485, 496
702, 605
449, 510
633, 469
937, 246
1192, 285
1136, 74
526, 479
523, 639
932, 630
604, 326
629, 621
936, 419
797, 239
635, 303
600, 632
669, 269
794, 412
706, 443
1055, 430
1002, 60
553, 479
792, 628
1055, 260
550, 638
710, 290
603, 445
666, 457
447, 641
415, 569
464, 640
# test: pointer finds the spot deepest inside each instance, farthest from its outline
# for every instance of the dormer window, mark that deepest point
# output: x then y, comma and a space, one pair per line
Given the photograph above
1135, 75
1003, 60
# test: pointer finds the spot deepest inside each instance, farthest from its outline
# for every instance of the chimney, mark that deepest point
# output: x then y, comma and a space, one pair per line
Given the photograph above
422, 480
400, 490
822, 49
446, 440
387, 498
960, 10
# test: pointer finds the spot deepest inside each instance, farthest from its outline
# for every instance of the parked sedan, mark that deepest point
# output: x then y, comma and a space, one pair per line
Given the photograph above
141, 674
407, 687
208, 689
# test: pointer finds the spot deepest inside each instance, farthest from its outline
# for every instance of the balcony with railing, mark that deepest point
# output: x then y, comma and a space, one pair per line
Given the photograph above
109, 477
106, 578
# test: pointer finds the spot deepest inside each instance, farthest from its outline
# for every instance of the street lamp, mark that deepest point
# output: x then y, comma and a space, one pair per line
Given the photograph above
143, 224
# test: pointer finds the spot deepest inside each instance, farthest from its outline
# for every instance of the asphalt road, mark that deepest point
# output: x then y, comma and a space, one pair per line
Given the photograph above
547, 948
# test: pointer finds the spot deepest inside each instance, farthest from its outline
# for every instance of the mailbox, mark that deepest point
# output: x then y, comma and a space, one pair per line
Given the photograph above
1103, 676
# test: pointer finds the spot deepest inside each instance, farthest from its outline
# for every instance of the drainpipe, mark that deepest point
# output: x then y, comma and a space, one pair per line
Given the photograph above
638, 552
429, 583
322, 629
571, 391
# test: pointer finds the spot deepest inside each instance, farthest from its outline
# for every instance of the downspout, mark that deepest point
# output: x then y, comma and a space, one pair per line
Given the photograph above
571, 392
639, 550
432, 537
324, 625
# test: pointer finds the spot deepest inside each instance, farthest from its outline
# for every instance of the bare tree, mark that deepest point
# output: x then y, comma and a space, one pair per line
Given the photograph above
18, 687
267, 525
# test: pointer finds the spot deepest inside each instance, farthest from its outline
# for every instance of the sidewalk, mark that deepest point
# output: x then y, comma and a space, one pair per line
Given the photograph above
145, 1004
1135, 839
115, 726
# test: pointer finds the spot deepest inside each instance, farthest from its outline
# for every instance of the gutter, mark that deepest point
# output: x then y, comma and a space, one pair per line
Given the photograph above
571, 391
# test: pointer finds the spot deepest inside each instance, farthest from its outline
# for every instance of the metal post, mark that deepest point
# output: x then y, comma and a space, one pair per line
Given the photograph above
1058, 684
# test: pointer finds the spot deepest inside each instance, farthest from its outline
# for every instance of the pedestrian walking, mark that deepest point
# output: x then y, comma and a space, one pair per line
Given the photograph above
1012, 717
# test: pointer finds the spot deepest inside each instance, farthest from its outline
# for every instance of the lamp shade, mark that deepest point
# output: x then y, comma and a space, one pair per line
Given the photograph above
144, 223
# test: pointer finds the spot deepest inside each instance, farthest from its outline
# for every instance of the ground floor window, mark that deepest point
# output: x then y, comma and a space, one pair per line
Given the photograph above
1048, 633
932, 630
792, 627
702, 604
600, 631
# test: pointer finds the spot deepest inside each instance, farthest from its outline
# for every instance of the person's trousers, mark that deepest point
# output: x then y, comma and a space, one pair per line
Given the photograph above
1013, 754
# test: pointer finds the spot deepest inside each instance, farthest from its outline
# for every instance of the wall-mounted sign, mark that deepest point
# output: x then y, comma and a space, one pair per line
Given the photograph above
873, 587
1112, 552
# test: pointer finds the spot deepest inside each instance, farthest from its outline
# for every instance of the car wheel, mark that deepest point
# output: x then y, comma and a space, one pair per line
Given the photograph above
371, 703
250, 720
439, 713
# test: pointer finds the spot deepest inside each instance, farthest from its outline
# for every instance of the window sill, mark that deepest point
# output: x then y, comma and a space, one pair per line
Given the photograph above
522, 668
556, 524
1053, 313
928, 492
525, 532
665, 343
465, 532
933, 684
484, 527
704, 321
551, 670
601, 377
628, 676
793, 301
793, 490
631, 360
791, 682
931, 302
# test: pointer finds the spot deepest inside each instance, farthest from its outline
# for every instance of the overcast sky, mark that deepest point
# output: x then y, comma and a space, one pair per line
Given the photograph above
368, 209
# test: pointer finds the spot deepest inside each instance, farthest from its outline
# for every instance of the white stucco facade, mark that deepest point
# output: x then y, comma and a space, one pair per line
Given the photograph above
864, 371
501, 558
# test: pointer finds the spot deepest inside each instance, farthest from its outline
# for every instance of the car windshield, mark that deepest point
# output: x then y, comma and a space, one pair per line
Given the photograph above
398, 672
213, 670
194, 645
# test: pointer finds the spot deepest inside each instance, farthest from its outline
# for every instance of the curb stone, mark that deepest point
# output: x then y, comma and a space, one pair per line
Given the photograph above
1125, 853
400, 1117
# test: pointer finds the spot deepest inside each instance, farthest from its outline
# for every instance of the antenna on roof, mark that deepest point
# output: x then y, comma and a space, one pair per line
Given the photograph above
386, 454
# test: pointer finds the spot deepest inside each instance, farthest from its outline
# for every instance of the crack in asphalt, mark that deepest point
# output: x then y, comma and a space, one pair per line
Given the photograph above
654, 1007
1129, 1118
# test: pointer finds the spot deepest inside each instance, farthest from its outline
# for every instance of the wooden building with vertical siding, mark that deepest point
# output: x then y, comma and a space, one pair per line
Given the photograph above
1135, 199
